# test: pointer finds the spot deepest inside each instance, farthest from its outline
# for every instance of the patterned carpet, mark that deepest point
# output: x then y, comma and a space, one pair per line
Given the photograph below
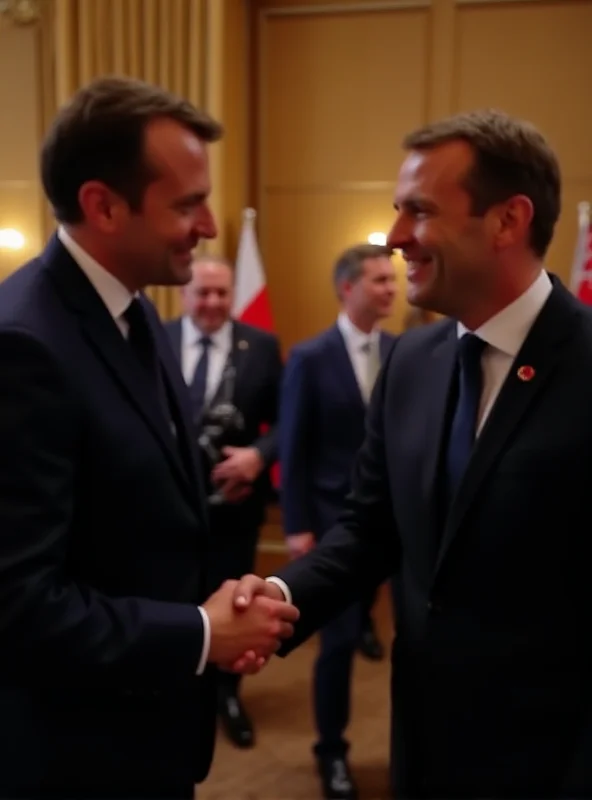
280, 766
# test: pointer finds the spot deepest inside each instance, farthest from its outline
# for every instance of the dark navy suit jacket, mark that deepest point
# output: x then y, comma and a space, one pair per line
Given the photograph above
492, 669
322, 415
103, 551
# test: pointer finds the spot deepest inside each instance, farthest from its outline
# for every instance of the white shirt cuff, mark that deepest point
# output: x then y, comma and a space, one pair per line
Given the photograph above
206, 641
283, 586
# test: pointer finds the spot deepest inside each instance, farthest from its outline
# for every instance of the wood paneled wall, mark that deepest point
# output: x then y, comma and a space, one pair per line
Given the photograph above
337, 85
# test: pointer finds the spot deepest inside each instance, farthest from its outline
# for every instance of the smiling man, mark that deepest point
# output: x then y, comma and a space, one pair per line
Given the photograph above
107, 633
469, 484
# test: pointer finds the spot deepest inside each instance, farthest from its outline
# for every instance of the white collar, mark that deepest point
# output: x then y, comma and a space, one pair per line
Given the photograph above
222, 338
112, 292
354, 335
507, 330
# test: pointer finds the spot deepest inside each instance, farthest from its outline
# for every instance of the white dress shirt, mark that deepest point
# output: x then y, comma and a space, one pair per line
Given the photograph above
191, 352
117, 298
505, 334
363, 351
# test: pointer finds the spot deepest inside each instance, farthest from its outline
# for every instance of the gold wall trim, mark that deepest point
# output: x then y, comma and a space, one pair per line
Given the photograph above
214, 101
346, 8
494, 2
328, 188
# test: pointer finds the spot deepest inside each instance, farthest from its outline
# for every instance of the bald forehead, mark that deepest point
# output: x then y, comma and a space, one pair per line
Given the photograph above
206, 269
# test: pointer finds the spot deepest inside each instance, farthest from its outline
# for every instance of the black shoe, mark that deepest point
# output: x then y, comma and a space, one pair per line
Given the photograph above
369, 644
336, 777
236, 723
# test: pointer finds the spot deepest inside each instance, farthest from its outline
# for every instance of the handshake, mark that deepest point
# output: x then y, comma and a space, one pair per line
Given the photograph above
248, 620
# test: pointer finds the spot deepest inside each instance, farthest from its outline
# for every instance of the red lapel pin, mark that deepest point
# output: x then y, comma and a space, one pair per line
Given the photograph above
526, 373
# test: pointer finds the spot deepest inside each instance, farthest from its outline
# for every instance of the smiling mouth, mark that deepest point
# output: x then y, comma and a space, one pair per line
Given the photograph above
417, 265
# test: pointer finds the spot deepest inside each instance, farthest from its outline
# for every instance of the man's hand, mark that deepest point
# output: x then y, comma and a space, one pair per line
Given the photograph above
247, 634
235, 492
300, 543
240, 465
252, 586
248, 589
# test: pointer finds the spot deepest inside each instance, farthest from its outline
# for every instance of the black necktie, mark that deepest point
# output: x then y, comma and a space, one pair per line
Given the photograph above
464, 422
200, 377
141, 340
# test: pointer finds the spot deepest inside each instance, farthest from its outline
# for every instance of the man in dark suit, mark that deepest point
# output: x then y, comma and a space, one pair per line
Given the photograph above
470, 483
107, 632
328, 382
226, 361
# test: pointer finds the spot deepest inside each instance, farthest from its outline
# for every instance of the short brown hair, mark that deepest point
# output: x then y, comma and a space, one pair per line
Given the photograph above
511, 157
350, 264
99, 135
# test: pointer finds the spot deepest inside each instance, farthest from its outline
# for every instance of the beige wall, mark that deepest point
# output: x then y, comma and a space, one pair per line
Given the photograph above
225, 88
315, 105
20, 198
340, 83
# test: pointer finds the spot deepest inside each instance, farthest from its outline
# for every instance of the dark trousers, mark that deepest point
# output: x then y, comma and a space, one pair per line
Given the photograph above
232, 554
366, 606
332, 681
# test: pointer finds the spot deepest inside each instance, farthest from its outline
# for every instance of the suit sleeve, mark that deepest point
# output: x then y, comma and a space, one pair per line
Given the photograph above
296, 430
362, 550
50, 624
267, 443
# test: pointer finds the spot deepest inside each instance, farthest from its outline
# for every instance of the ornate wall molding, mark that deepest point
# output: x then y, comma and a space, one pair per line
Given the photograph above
494, 2
344, 8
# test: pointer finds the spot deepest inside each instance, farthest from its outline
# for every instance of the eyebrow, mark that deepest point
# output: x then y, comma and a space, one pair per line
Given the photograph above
412, 203
190, 199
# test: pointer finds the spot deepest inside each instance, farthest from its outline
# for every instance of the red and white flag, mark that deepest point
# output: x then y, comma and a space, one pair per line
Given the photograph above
251, 299
581, 274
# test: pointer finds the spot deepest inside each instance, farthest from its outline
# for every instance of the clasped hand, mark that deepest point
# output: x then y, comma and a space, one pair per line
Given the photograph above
247, 623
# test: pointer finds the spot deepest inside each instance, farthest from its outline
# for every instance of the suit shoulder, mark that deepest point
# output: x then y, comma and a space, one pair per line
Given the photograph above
255, 334
314, 346
422, 339
25, 295
172, 324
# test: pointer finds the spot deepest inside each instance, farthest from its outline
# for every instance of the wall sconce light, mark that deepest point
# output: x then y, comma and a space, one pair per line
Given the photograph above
377, 238
11, 239
19, 12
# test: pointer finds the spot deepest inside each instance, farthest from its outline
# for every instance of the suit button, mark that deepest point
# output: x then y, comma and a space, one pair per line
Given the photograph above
434, 608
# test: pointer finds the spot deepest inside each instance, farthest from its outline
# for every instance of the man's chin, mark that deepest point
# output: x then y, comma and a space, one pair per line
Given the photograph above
419, 296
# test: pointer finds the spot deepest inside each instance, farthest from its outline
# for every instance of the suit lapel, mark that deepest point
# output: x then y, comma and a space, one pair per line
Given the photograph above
108, 343
541, 353
239, 356
344, 366
439, 378
181, 398
175, 332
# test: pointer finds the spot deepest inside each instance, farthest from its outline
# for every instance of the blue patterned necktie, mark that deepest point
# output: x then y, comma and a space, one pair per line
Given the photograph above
464, 422
198, 384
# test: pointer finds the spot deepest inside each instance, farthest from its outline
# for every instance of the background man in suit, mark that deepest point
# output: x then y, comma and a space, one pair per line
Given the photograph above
224, 360
470, 481
106, 628
328, 382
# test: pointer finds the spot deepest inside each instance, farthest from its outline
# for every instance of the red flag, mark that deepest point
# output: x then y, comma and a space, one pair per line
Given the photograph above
251, 298
581, 276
